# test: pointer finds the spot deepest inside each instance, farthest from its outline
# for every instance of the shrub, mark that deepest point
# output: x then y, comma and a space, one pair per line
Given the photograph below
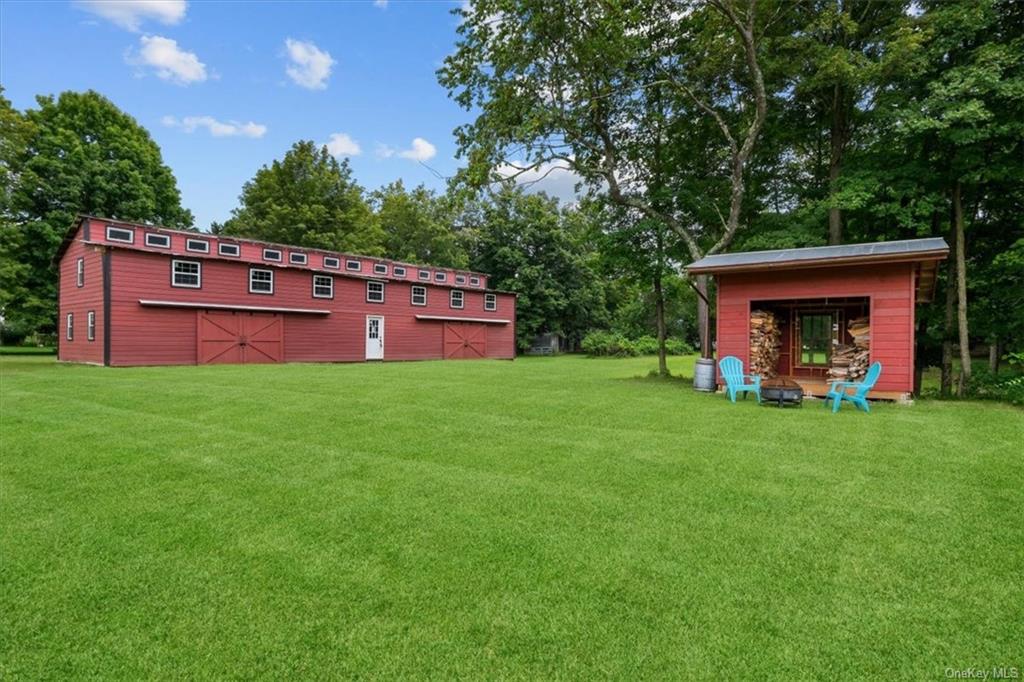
610, 344
985, 385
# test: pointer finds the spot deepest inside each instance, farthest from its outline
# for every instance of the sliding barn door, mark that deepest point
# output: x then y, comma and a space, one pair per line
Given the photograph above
465, 340
239, 338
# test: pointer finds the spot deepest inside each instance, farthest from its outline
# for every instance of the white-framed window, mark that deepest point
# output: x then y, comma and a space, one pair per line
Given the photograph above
440, 277
272, 255
80, 272
398, 271
490, 302
419, 295
332, 263
69, 332
197, 245
323, 286
120, 234
375, 292
353, 265
380, 268
90, 329
460, 279
457, 298
297, 258
261, 281
425, 275
158, 241
226, 249
186, 273
474, 281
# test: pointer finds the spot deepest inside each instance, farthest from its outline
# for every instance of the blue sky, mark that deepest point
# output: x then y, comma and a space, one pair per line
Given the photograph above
225, 87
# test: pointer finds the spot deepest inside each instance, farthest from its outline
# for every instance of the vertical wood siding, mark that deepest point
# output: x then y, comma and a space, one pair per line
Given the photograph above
79, 301
161, 336
890, 289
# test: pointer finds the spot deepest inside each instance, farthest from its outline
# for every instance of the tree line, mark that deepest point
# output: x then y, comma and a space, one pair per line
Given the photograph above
692, 127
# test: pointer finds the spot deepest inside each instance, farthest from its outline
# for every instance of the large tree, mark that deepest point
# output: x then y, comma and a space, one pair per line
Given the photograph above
418, 225
308, 198
77, 153
596, 87
529, 246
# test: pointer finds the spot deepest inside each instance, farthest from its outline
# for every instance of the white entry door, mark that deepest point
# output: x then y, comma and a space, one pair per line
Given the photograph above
374, 337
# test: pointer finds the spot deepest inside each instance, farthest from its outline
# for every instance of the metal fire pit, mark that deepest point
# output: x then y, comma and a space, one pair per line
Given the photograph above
781, 391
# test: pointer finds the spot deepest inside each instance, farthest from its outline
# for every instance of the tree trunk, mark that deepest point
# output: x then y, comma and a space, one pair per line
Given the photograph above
835, 164
961, 292
659, 314
993, 356
946, 382
703, 316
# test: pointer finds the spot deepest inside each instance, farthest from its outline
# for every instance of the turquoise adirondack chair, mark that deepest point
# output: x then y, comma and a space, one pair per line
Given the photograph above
838, 392
735, 380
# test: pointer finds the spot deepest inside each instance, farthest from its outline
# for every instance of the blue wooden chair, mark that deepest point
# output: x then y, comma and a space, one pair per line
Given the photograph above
735, 380
839, 390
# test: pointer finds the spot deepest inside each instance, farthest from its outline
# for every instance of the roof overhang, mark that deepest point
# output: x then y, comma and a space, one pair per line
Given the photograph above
924, 254
452, 318
227, 306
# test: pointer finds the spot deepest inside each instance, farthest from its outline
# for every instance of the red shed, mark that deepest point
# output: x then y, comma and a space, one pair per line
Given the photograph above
133, 294
814, 294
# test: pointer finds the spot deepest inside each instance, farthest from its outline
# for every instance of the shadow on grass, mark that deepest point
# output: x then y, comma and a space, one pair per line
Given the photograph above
654, 377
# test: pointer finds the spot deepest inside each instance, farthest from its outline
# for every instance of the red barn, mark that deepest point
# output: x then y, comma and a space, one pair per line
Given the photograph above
134, 294
814, 293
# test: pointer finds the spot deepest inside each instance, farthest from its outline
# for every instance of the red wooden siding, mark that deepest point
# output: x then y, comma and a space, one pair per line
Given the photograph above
79, 301
158, 335
889, 288
239, 337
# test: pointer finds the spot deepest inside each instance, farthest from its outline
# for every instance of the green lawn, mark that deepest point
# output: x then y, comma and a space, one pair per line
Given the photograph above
543, 518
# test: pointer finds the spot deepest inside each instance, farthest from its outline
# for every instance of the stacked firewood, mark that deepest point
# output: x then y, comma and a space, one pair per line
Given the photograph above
765, 343
850, 362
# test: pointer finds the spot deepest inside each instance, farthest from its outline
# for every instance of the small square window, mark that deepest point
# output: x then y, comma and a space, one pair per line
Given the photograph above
419, 295
226, 249
297, 258
261, 281
186, 273
69, 332
380, 269
197, 245
158, 241
353, 265
272, 255
81, 272
323, 286
375, 292
425, 275
398, 271
332, 263
490, 302
474, 281
91, 325
120, 234
460, 279
457, 299
440, 277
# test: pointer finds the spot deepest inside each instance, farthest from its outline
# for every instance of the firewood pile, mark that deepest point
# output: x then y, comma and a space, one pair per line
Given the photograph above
850, 362
765, 343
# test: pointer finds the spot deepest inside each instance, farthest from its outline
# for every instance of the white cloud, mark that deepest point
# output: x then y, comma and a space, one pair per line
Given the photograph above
383, 4
383, 151
553, 178
216, 128
170, 61
340, 144
421, 150
130, 14
310, 66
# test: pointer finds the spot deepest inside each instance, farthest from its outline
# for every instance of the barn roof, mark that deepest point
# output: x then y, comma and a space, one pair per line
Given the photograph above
925, 252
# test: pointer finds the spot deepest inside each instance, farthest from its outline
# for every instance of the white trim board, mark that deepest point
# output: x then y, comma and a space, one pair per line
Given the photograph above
224, 306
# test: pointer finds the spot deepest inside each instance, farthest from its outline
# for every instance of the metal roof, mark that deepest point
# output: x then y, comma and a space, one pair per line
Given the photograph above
934, 248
